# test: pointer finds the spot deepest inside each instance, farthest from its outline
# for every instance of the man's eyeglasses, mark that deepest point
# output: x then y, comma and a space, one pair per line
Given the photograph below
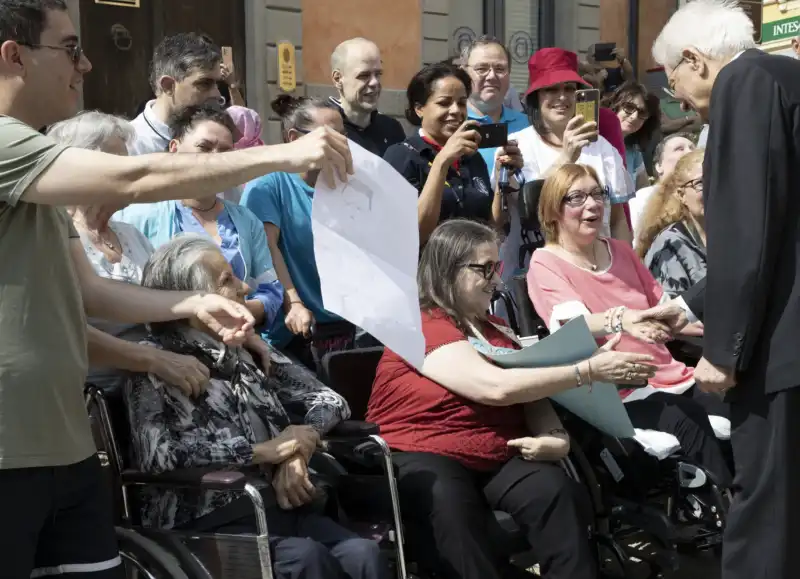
696, 184
75, 52
671, 79
630, 108
579, 198
488, 269
483, 70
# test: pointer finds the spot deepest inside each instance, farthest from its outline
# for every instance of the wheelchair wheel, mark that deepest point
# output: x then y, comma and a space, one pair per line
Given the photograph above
142, 562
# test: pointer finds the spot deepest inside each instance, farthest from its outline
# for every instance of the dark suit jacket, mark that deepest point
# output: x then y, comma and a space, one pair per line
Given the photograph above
750, 300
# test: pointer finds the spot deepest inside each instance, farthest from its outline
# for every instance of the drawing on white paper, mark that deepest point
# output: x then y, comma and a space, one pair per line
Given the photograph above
366, 244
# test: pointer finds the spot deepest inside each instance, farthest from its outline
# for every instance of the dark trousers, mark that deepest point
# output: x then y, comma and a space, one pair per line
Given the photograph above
303, 544
58, 521
762, 537
452, 505
688, 421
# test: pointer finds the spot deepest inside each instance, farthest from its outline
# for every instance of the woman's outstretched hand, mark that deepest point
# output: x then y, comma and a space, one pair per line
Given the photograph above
621, 367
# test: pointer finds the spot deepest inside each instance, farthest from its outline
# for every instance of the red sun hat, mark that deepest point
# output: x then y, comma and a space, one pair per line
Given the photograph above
552, 66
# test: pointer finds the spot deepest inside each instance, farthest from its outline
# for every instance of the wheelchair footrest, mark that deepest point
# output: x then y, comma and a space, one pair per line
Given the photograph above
649, 519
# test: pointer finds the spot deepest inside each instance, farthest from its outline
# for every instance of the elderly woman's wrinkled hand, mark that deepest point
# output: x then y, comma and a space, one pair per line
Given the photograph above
186, 373
542, 447
231, 321
621, 367
298, 439
292, 484
260, 351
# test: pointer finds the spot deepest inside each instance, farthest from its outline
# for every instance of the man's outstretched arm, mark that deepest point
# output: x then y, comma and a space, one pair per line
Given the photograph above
83, 177
129, 303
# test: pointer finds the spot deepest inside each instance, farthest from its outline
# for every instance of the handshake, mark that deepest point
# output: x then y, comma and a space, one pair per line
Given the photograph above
656, 325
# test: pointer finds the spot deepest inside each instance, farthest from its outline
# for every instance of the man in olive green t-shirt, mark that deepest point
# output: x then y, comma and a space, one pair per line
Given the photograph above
55, 507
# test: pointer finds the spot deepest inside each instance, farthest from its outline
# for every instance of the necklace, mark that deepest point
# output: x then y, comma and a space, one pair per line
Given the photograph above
592, 266
206, 210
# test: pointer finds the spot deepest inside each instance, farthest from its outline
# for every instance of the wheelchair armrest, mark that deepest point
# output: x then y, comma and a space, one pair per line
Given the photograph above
189, 478
353, 429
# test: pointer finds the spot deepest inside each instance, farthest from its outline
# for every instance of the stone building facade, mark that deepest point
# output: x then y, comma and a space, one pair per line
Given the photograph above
410, 33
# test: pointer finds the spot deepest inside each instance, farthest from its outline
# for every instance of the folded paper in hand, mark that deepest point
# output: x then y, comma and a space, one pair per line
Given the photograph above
366, 244
599, 405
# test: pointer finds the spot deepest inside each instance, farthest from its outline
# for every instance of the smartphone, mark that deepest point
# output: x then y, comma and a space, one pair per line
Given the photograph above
604, 51
227, 57
493, 135
587, 104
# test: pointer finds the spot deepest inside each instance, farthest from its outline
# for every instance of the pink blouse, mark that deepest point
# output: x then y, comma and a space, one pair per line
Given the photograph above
561, 291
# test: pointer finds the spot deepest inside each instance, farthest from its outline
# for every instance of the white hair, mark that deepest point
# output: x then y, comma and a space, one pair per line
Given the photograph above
715, 28
92, 130
180, 265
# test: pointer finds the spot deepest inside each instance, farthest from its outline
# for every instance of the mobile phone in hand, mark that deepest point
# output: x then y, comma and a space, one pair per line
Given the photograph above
493, 135
604, 51
587, 105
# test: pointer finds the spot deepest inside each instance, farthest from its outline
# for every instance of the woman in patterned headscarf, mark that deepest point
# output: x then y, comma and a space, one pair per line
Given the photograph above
672, 242
269, 425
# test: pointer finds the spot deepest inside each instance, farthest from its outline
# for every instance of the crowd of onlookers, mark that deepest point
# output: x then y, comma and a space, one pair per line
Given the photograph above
622, 229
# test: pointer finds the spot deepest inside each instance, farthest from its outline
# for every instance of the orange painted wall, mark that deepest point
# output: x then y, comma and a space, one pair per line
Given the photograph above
651, 21
614, 22
653, 15
396, 27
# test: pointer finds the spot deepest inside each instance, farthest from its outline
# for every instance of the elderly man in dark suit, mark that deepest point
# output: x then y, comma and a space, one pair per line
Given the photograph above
750, 300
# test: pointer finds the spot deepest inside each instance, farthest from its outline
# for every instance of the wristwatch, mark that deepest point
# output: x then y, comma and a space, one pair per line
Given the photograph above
559, 431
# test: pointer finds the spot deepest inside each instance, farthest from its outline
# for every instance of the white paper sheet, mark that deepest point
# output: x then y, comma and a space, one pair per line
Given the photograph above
366, 243
599, 405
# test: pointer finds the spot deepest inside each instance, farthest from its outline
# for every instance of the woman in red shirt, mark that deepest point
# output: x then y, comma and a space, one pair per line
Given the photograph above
474, 437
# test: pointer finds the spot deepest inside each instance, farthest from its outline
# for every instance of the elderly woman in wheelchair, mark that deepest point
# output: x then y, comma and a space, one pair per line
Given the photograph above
580, 273
242, 417
470, 437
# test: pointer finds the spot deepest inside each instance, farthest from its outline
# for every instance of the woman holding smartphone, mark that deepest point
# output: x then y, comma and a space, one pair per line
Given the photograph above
557, 136
441, 160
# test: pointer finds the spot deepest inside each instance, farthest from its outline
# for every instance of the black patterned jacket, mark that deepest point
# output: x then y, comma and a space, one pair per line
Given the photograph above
677, 259
241, 407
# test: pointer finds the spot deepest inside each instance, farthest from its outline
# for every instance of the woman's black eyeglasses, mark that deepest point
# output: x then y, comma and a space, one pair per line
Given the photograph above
488, 269
74, 52
578, 198
631, 108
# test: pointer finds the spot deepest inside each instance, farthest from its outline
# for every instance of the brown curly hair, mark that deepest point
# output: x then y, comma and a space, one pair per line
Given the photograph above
665, 208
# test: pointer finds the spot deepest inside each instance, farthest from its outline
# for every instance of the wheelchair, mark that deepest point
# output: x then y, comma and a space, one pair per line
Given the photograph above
672, 504
150, 553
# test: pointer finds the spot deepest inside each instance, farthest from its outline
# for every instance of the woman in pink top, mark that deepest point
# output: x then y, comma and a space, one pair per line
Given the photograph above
579, 273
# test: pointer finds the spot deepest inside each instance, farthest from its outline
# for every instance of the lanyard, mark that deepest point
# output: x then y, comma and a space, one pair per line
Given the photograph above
152, 127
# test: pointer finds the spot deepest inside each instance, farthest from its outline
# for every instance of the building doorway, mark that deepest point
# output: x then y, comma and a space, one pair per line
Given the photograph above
119, 41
